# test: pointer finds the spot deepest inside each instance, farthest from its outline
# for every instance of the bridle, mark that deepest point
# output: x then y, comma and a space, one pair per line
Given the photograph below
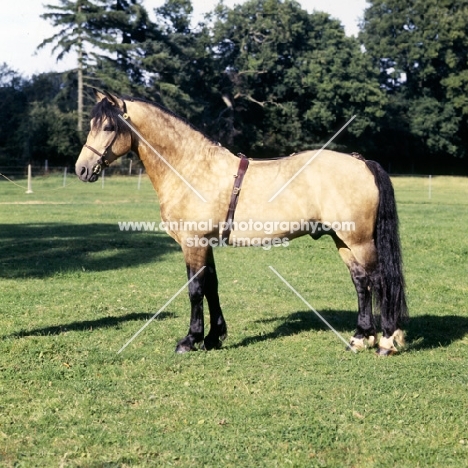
102, 162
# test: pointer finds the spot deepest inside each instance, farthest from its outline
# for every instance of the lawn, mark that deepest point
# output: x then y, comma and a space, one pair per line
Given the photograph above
281, 392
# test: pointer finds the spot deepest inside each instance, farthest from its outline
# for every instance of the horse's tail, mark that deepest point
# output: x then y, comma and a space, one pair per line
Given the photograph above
388, 282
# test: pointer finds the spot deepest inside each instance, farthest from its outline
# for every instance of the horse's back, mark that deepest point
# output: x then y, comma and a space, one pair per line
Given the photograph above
323, 173
324, 186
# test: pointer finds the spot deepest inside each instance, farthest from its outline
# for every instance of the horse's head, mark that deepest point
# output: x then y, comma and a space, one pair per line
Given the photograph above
108, 139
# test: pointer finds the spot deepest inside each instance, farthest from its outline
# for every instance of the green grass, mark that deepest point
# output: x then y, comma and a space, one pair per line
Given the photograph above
281, 392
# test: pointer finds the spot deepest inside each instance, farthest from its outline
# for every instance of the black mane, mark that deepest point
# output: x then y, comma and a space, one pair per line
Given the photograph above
105, 110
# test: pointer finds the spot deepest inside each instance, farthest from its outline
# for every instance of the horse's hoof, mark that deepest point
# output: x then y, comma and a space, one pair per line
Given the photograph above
359, 344
399, 338
182, 348
385, 352
387, 345
210, 343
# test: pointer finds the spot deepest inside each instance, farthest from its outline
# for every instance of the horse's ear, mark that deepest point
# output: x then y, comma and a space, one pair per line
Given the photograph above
114, 100
99, 95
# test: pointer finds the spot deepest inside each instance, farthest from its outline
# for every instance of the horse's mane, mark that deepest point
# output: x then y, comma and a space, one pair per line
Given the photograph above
106, 110
167, 111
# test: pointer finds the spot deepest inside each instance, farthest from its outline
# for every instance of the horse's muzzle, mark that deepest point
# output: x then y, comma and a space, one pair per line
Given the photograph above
86, 175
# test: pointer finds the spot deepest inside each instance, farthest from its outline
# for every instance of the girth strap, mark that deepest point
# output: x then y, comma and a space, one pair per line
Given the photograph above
239, 177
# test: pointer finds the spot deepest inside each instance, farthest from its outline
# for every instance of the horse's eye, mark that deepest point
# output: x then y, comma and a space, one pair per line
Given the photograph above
109, 128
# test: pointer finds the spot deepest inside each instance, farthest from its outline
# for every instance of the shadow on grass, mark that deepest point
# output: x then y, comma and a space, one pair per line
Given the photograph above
302, 321
88, 325
44, 249
422, 332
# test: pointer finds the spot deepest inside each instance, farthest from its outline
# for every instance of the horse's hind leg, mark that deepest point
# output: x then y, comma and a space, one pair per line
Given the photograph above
218, 328
366, 334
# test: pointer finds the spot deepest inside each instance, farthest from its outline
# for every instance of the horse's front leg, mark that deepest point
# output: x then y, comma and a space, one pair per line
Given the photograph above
196, 272
218, 328
201, 272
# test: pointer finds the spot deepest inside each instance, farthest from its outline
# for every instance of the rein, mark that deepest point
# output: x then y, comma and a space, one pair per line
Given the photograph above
239, 177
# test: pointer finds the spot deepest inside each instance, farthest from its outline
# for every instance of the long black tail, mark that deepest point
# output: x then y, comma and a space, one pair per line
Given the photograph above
388, 283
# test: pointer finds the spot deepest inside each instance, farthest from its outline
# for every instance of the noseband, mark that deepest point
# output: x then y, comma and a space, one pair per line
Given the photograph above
102, 162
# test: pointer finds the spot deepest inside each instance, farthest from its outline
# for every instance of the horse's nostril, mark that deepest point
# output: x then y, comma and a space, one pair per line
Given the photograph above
83, 170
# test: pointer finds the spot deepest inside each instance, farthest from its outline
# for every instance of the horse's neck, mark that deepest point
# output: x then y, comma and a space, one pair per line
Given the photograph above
166, 133
168, 141
177, 158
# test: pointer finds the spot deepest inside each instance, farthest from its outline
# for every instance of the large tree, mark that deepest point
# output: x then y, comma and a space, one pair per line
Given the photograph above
103, 34
74, 20
118, 62
13, 108
179, 63
421, 49
289, 79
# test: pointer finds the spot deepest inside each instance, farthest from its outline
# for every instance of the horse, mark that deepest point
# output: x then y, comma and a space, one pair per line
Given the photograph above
206, 200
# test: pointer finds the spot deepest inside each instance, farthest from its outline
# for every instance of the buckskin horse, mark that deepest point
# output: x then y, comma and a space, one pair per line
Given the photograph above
199, 181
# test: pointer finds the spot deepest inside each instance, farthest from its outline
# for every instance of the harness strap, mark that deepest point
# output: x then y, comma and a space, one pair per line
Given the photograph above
239, 177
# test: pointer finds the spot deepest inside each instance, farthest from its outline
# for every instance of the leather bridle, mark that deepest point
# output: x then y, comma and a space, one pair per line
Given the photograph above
102, 162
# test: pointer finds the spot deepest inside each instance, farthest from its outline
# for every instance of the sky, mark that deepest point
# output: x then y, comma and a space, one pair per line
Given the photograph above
22, 29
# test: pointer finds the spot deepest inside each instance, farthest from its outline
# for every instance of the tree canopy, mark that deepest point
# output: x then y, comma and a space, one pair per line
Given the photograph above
421, 50
289, 79
265, 78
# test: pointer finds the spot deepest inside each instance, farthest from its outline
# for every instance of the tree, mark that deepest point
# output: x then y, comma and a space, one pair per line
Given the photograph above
50, 134
118, 63
75, 19
13, 108
421, 49
178, 61
289, 79
91, 27
49, 127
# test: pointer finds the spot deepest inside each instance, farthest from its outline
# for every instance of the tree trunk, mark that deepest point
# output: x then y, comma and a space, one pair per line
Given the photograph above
80, 76
80, 89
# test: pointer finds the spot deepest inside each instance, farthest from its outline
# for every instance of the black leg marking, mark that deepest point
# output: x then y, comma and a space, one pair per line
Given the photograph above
196, 330
218, 328
365, 324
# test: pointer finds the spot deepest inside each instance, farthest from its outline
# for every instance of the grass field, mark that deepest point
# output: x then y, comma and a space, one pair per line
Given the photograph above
282, 391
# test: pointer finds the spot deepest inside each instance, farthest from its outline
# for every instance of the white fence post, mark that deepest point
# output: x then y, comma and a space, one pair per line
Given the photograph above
139, 180
29, 180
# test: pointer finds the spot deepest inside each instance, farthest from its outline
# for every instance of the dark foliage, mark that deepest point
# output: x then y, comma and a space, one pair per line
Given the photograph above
265, 78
